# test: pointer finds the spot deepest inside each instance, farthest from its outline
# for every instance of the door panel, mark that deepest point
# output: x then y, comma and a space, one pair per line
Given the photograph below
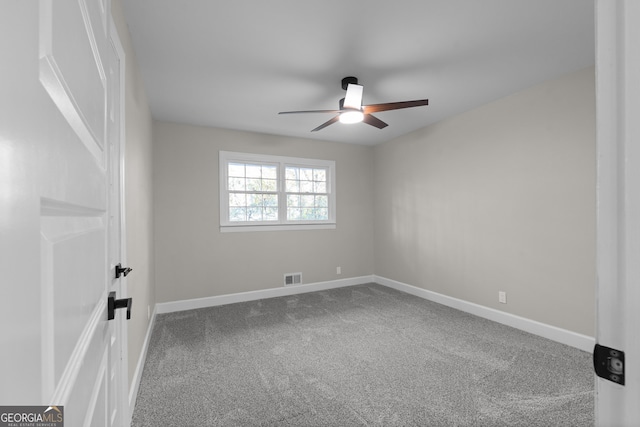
71, 68
67, 301
98, 415
85, 376
57, 231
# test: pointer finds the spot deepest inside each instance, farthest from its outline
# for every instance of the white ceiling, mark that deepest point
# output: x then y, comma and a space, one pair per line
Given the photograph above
236, 63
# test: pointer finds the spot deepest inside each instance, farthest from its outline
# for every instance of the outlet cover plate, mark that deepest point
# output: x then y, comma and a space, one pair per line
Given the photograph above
502, 297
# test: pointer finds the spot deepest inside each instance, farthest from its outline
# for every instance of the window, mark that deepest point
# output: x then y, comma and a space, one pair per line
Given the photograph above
260, 192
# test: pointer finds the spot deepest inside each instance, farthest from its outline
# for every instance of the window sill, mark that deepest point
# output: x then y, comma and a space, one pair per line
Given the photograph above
275, 227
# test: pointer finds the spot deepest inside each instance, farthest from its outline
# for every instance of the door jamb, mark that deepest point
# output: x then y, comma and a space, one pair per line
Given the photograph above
618, 205
125, 408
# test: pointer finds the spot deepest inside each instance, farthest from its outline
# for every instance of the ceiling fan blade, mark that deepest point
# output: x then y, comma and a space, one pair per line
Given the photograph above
374, 108
327, 123
310, 111
374, 121
353, 98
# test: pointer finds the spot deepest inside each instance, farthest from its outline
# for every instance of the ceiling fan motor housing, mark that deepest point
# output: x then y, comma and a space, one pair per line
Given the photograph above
349, 80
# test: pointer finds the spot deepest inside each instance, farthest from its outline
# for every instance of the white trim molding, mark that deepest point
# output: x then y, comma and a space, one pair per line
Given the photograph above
573, 339
618, 205
137, 375
170, 307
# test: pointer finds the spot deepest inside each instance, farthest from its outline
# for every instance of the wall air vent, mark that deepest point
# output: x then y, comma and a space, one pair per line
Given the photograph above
291, 279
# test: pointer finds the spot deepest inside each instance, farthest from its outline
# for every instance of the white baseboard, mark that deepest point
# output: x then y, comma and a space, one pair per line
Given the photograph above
169, 307
573, 339
137, 375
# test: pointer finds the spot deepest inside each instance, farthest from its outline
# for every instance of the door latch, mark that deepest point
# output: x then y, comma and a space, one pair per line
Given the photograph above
113, 304
609, 363
122, 271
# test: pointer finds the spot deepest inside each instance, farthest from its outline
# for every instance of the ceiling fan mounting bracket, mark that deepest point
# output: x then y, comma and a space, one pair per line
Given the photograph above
349, 80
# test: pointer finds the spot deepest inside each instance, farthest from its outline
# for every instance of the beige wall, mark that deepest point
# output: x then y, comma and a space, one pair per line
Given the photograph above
138, 197
193, 259
501, 198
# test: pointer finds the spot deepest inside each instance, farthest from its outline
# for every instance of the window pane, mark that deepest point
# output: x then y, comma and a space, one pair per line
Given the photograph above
307, 201
254, 184
254, 214
270, 172
307, 208
254, 171
236, 184
252, 177
291, 173
237, 199
305, 180
306, 174
293, 186
236, 169
271, 214
237, 214
293, 214
259, 207
322, 214
307, 213
269, 185
306, 186
254, 200
319, 187
270, 200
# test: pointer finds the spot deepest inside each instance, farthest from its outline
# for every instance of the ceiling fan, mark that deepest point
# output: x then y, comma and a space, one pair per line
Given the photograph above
351, 109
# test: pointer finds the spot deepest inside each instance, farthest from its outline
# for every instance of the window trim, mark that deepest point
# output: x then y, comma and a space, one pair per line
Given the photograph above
226, 157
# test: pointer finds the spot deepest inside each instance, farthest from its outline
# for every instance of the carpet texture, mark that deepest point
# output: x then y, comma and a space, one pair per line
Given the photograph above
363, 355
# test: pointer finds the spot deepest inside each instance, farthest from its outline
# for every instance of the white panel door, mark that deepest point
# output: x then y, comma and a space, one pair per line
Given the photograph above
59, 139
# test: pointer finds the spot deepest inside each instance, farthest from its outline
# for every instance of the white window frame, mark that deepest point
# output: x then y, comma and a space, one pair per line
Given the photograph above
226, 157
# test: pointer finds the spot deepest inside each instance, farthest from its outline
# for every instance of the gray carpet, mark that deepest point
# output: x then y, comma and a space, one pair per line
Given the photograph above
363, 355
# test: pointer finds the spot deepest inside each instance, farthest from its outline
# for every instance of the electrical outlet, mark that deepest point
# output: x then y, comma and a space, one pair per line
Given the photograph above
502, 297
338, 270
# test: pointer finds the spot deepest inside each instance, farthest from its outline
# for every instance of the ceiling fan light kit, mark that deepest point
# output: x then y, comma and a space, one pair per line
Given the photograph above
354, 116
351, 109
353, 98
